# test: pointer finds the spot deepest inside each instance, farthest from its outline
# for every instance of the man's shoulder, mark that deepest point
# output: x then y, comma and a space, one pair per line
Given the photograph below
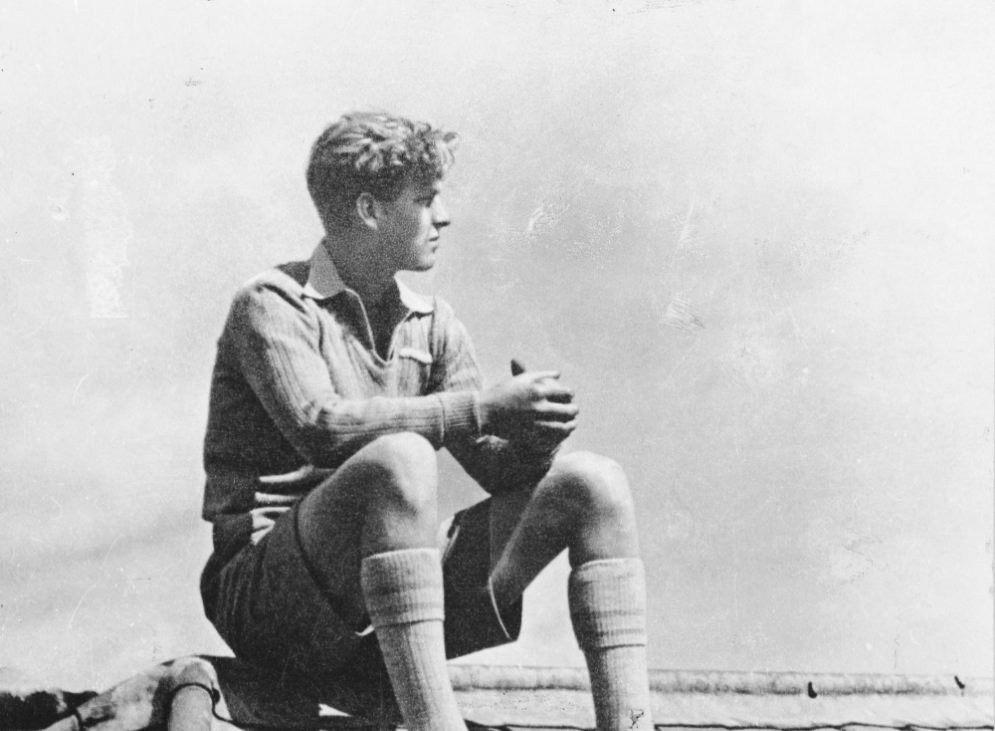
287, 279
439, 305
275, 293
422, 304
442, 312
446, 325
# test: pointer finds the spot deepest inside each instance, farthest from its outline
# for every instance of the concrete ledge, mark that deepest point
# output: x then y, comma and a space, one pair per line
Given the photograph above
507, 697
468, 677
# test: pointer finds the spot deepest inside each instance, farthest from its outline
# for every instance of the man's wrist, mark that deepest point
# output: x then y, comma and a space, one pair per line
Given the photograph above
460, 414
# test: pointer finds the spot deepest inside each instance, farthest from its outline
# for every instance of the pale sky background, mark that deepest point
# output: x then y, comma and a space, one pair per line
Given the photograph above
757, 237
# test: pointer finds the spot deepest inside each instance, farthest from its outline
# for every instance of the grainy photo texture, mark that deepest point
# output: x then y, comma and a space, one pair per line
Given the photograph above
739, 250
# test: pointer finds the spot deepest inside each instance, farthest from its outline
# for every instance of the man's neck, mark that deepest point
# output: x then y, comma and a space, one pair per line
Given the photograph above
360, 273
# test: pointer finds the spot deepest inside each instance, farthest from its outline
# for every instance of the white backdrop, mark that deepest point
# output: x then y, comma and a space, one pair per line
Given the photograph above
755, 236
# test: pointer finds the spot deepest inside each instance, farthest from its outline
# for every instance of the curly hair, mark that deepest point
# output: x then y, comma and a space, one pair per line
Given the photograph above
377, 153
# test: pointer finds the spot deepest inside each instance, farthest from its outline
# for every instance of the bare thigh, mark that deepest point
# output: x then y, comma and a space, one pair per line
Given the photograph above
367, 505
330, 524
583, 505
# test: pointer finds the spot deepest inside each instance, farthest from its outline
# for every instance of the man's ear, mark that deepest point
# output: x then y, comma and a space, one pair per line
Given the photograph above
369, 210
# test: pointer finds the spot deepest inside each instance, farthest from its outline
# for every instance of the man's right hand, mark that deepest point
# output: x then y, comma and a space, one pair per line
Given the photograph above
533, 406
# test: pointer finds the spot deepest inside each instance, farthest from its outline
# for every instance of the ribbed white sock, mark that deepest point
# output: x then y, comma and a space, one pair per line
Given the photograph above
608, 609
403, 593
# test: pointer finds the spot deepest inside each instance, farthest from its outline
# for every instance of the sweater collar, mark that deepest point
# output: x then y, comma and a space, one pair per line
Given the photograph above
324, 282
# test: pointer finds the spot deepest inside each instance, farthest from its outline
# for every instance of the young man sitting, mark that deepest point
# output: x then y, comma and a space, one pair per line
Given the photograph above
333, 389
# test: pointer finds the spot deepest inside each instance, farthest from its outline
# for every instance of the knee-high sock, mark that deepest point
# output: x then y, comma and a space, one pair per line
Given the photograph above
608, 609
403, 593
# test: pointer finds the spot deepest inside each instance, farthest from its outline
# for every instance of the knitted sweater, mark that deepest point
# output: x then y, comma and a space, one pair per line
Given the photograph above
298, 388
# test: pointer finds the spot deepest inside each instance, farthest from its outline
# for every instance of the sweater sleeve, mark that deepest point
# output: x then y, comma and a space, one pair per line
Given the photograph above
275, 339
498, 465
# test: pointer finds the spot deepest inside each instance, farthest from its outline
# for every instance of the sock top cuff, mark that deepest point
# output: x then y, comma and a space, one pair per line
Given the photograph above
614, 567
401, 587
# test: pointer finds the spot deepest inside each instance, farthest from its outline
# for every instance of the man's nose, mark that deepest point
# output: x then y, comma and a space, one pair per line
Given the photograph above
440, 216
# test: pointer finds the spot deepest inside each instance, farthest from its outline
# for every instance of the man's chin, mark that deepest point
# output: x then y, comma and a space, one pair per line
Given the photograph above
422, 266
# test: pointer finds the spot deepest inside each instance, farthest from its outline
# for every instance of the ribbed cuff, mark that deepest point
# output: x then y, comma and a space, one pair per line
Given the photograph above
608, 603
402, 587
460, 414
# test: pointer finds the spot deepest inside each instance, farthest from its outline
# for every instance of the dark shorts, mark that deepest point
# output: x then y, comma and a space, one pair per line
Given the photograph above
266, 604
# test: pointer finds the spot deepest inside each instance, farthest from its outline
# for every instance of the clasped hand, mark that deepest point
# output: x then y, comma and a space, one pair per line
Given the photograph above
531, 407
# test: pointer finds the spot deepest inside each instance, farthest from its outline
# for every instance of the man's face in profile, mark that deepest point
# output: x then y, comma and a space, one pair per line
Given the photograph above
411, 224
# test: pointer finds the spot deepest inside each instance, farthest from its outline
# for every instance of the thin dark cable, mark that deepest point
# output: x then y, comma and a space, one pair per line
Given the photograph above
215, 695
212, 692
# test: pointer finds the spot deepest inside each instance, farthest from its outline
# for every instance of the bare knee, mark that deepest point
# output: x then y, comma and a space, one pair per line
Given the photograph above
588, 496
403, 473
593, 486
